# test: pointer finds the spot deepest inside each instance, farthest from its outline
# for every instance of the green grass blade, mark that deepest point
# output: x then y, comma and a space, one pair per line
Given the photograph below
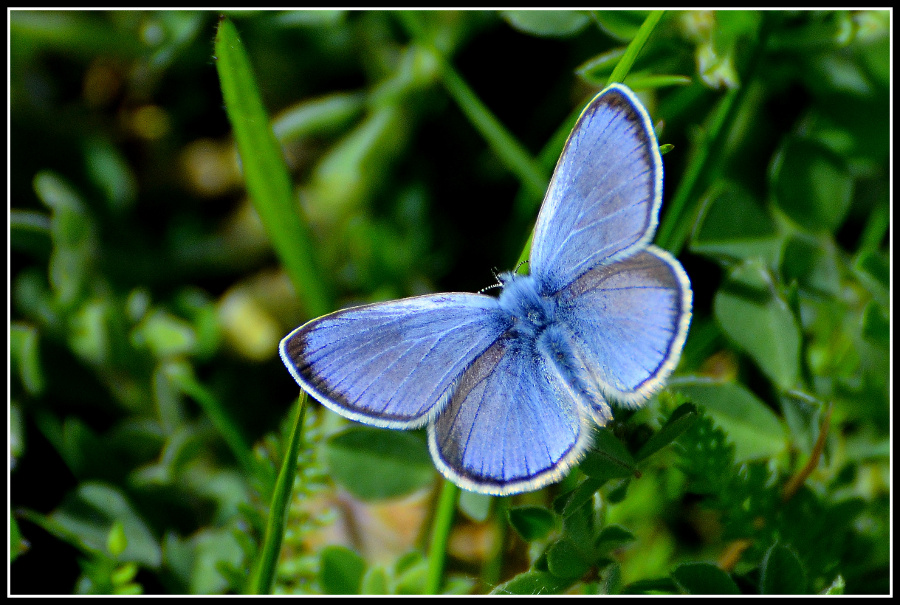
265, 171
182, 375
263, 574
618, 75
634, 47
637, 82
674, 229
510, 151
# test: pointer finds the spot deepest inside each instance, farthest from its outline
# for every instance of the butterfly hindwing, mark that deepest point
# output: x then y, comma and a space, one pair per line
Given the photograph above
514, 422
392, 364
605, 194
628, 321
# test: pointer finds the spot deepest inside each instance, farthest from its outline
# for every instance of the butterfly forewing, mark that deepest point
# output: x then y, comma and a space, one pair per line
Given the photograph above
629, 321
603, 200
392, 364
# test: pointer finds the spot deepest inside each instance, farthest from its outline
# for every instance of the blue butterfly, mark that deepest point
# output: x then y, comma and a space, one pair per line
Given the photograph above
511, 387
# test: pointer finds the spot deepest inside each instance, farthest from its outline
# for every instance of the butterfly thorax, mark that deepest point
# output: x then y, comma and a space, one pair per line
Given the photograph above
531, 313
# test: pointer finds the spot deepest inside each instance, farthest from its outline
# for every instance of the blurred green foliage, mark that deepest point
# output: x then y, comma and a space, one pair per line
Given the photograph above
149, 411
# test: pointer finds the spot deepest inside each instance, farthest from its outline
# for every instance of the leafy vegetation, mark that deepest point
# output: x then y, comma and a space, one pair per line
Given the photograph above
164, 238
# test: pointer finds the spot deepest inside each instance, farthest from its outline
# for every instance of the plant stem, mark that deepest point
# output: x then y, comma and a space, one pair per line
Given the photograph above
440, 536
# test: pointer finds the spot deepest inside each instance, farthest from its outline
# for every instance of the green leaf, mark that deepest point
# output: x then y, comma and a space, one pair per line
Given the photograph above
29, 232
782, 572
213, 550
611, 579
23, 357
475, 506
531, 522
837, 587
91, 331
412, 574
204, 316
813, 264
341, 571
703, 578
343, 177
74, 34
622, 25
16, 544
375, 464
876, 324
608, 458
90, 513
756, 317
459, 585
117, 541
681, 420
653, 586
121, 578
534, 582
307, 18
617, 492
812, 185
16, 434
803, 416
733, 224
110, 173
375, 581
79, 446
612, 537
72, 235
873, 270
547, 23
570, 501
566, 560
164, 335
578, 528
716, 52
753, 428
317, 116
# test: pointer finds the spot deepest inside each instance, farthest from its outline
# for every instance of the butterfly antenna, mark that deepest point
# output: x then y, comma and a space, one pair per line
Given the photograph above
499, 281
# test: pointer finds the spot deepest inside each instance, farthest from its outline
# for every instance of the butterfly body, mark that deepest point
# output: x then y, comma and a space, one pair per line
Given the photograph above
529, 311
510, 387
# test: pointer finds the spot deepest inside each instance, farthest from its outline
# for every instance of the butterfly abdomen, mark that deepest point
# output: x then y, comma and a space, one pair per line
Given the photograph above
539, 321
